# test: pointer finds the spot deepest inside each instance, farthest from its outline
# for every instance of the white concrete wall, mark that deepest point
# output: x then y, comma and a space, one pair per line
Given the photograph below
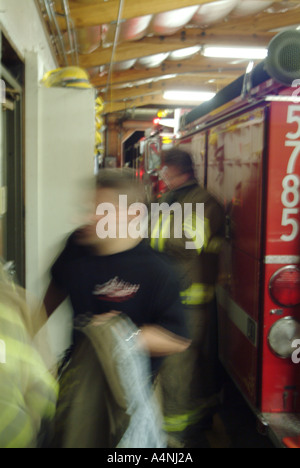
60, 135
66, 155
65, 166
59, 155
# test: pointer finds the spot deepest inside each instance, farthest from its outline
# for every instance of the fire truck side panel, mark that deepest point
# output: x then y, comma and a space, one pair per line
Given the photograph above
238, 330
235, 151
281, 377
198, 150
252, 165
237, 352
235, 171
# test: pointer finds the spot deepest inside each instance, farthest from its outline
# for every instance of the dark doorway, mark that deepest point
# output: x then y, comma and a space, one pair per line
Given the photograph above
12, 242
130, 152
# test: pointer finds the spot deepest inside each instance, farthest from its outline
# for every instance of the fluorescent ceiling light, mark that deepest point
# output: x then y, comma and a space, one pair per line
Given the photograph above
191, 96
246, 53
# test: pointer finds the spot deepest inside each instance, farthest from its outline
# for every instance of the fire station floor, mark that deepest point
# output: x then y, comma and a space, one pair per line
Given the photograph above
234, 426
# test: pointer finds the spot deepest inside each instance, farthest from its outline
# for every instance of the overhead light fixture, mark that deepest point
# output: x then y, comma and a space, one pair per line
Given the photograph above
246, 53
190, 96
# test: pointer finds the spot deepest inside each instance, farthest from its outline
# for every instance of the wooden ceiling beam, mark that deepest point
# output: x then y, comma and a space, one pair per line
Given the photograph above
150, 100
113, 107
203, 67
156, 100
183, 83
202, 77
156, 45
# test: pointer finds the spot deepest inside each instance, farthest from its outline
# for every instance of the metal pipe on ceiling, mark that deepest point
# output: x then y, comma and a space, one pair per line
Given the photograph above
70, 32
48, 7
55, 29
121, 4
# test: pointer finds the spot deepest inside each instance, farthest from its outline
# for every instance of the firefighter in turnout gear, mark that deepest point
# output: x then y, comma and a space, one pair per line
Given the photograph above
189, 381
28, 391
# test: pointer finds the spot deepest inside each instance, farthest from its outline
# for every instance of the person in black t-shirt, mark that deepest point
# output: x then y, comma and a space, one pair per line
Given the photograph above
105, 270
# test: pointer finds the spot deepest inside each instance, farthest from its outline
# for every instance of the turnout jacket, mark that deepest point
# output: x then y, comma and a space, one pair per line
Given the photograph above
28, 392
202, 229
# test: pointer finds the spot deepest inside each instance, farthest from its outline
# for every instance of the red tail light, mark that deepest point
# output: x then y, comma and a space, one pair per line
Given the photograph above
284, 286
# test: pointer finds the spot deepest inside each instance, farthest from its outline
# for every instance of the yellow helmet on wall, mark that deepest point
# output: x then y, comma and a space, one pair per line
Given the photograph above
68, 77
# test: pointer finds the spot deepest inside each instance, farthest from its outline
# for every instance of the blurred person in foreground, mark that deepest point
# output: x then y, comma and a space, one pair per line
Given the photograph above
106, 272
189, 381
28, 391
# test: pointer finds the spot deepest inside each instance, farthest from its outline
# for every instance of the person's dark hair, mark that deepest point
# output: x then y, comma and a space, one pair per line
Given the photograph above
123, 181
181, 159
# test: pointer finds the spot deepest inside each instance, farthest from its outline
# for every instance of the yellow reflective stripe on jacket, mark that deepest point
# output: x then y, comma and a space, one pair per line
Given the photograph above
28, 392
198, 293
158, 235
155, 234
162, 228
19, 432
179, 422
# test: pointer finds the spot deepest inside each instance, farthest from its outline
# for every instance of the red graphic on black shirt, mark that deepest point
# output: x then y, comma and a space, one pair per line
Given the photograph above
116, 290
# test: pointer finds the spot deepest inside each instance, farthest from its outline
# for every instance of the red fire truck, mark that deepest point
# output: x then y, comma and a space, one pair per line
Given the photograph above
246, 148
148, 161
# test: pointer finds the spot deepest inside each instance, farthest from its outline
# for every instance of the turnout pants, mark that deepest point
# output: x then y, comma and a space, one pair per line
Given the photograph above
189, 381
